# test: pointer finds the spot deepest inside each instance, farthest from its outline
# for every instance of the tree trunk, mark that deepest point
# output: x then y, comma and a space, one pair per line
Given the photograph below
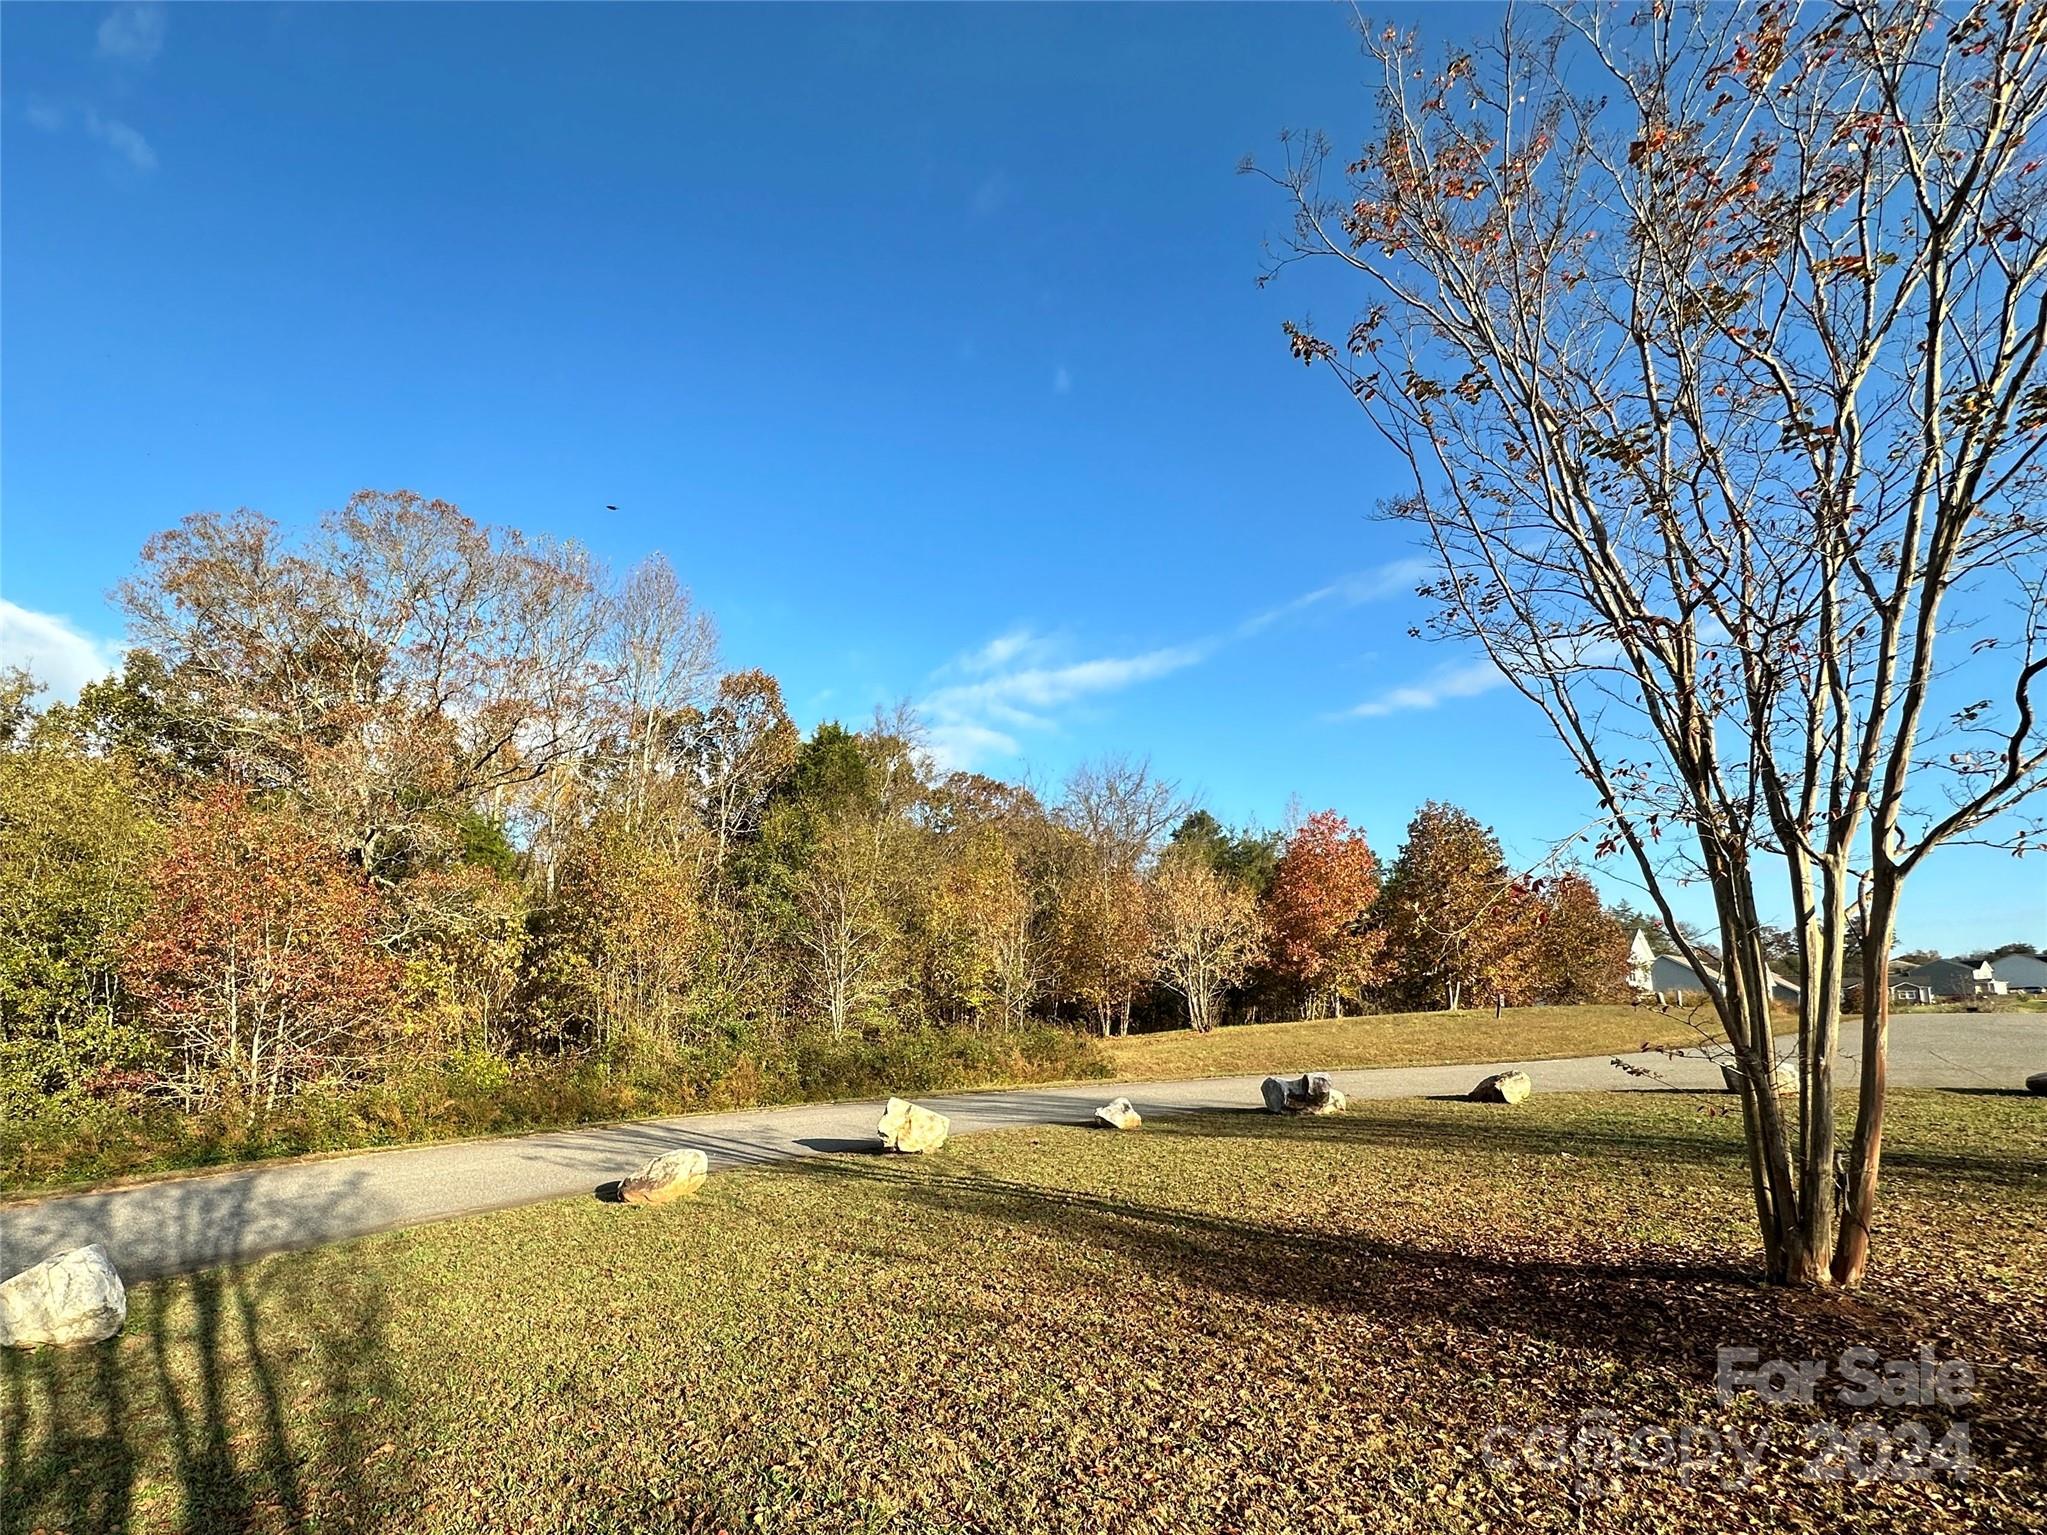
1865, 1154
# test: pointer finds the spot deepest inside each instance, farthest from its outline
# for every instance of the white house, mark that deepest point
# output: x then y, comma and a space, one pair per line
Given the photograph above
1955, 979
2025, 973
1641, 963
1666, 974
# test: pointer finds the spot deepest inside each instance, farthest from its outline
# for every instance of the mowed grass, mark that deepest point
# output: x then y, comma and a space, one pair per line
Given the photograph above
1226, 1322
1405, 1039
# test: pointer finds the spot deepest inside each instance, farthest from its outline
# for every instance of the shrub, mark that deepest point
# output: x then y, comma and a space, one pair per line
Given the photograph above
255, 956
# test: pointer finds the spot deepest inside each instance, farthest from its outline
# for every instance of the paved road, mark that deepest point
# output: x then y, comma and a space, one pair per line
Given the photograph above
180, 1224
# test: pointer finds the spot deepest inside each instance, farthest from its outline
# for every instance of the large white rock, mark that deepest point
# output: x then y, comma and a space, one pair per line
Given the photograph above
906, 1127
1117, 1114
1310, 1094
1503, 1087
1783, 1072
666, 1178
75, 1297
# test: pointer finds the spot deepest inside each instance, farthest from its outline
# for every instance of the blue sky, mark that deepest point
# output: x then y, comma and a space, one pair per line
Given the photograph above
924, 342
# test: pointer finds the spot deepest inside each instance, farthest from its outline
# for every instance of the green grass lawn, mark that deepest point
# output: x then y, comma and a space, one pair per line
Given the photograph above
1403, 1039
1226, 1322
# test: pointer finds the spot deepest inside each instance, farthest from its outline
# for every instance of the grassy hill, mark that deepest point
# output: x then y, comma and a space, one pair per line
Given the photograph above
1403, 1039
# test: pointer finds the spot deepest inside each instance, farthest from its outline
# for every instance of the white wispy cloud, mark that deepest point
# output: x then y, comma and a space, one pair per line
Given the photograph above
1396, 578
132, 33
1062, 382
56, 651
1020, 681
123, 140
957, 745
1457, 679
1017, 644
130, 37
1017, 683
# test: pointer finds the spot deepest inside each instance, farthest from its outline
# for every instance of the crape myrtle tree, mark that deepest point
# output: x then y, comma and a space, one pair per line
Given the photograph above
1711, 337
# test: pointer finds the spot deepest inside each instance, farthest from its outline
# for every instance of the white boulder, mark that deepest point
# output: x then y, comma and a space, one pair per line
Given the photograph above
906, 1127
1118, 1115
1783, 1074
669, 1177
1310, 1094
75, 1297
1503, 1087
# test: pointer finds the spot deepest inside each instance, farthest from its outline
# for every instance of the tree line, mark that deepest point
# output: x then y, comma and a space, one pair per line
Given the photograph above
409, 789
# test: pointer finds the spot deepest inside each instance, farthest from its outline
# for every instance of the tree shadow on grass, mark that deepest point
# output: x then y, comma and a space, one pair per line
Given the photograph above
202, 1415
1463, 1124
1583, 1293
1706, 1139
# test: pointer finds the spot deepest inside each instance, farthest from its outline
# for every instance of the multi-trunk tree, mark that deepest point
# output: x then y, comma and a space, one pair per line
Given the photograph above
1115, 811
254, 956
1711, 337
1206, 930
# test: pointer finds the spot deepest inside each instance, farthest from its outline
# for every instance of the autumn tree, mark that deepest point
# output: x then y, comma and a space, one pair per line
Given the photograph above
1206, 932
626, 928
1116, 812
18, 690
1317, 924
657, 656
254, 956
987, 946
1712, 339
841, 865
404, 660
736, 751
1454, 918
1578, 951
844, 932
147, 720
460, 931
75, 850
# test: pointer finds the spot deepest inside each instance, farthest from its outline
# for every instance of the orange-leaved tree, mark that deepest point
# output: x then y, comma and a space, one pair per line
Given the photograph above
1317, 932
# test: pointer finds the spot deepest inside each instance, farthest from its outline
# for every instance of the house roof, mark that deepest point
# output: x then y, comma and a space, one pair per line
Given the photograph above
2020, 969
1671, 972
1936, 971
